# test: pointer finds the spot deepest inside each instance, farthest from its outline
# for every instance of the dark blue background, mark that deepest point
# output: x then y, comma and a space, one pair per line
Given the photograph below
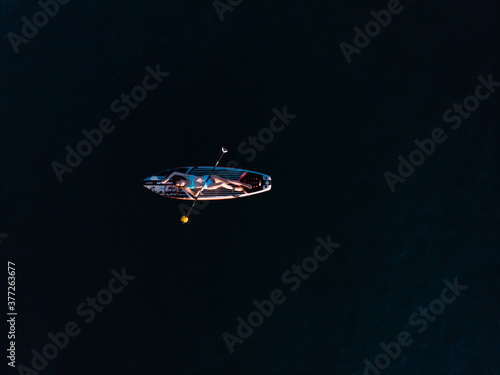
193, 281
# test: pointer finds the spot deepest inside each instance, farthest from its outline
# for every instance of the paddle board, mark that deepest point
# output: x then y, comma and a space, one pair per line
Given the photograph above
241, 183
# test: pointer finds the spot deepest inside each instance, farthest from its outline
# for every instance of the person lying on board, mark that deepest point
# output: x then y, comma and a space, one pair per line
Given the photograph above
189, 182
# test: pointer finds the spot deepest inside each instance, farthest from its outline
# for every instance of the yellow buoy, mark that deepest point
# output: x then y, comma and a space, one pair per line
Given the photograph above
184, 219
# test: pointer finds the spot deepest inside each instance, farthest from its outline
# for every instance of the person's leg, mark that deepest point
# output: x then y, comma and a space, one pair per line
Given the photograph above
224, 184
217, 184
228, 182
248, 186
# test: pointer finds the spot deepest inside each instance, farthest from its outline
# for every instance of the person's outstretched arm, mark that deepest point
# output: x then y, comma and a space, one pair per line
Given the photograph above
173, 175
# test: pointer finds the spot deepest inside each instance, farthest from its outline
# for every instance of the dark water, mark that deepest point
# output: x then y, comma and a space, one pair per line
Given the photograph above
192, 282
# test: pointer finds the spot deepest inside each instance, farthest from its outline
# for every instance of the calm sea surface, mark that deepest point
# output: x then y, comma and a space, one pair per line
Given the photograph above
193, 282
